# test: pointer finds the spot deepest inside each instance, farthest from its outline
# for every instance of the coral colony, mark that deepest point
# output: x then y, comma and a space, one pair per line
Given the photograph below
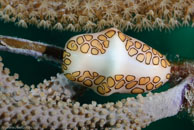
49, 106
99, 61
95, 15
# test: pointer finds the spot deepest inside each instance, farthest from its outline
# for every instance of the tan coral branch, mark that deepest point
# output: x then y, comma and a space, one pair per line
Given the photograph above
48, 106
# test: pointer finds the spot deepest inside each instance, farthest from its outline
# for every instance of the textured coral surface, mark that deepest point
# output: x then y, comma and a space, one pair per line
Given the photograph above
93, 15
49, 105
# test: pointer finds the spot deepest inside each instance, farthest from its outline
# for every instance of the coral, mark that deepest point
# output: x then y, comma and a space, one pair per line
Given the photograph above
189, 96
89, 15
181, 70
49, 105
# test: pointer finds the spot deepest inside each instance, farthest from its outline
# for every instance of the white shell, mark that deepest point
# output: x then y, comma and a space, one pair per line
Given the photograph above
106, 63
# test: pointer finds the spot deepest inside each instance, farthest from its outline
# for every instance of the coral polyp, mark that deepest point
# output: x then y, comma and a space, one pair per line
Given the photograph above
76, 15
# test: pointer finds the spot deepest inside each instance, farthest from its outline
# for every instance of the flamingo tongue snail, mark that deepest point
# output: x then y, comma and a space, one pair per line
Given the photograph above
112, 62
107, 62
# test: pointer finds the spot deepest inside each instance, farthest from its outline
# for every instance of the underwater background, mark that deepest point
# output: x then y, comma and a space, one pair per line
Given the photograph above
176, 44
